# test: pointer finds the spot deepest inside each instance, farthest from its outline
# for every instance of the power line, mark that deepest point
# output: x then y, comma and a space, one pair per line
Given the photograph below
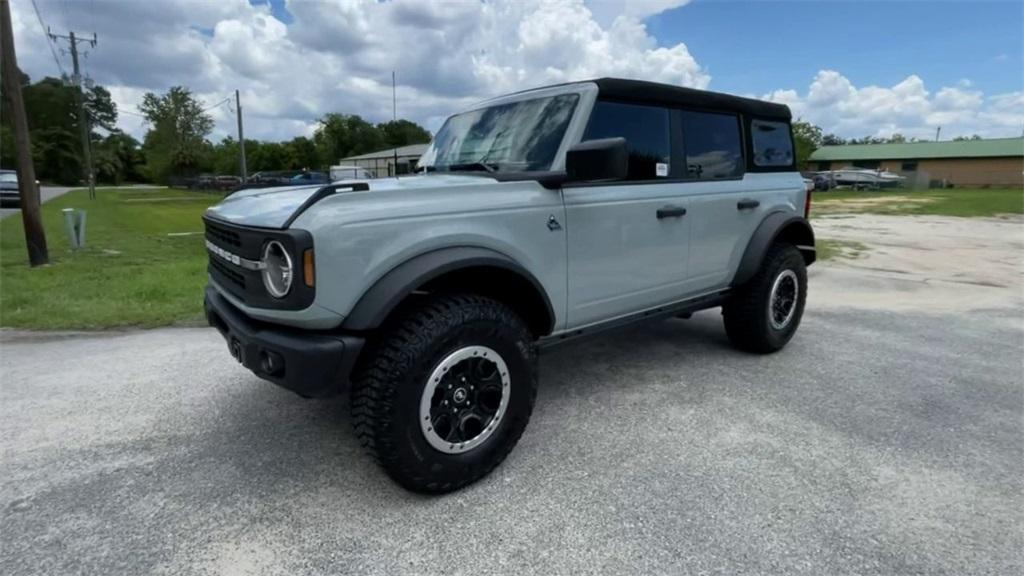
49, 41
226, 100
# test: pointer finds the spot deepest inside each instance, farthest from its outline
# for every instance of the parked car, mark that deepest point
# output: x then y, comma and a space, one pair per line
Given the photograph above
310, 178
541, 217
823, 181
203, 182
350, 173
273, 177
9, 195
226, 182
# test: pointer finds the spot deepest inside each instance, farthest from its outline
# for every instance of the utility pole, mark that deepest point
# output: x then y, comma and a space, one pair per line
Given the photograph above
241, 137
35, 236
83, 119
937, 130
394, 115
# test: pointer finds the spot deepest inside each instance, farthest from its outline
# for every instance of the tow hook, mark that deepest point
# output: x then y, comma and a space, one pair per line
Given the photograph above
235, 347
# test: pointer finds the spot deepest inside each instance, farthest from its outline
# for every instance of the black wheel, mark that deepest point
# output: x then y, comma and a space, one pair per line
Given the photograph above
446, 393
763, 314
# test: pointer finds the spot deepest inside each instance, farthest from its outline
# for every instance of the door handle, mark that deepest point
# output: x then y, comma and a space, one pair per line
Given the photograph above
747, 203
671, 211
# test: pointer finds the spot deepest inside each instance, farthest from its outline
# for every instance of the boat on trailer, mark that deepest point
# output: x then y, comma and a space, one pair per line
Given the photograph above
862, 178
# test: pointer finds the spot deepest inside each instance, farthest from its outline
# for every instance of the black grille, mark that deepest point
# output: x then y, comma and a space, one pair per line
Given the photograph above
222, 236
247, 242
227, 273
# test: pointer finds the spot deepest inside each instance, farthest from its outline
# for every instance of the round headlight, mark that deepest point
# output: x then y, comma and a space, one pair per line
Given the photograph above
277, 269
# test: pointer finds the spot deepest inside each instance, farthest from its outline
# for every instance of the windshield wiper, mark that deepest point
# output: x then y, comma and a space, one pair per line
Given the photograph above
473, 167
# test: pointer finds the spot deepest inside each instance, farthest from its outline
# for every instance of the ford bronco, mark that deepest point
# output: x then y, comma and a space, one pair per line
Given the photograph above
536, 218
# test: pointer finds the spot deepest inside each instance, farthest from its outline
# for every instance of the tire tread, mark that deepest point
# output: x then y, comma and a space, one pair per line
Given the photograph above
745, 318
403, 347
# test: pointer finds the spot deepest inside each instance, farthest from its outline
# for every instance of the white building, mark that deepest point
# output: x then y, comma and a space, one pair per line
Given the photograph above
382, 162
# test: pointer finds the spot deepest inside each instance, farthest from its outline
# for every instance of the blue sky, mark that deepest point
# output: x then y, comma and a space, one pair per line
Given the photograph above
854, 68
757, 47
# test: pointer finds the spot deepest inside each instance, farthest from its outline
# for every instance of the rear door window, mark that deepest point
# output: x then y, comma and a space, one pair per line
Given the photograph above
773, 145
646, 130
713, 145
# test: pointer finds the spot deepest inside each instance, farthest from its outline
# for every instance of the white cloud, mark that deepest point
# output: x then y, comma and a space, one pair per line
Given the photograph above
337, 56
834, 103
606, 11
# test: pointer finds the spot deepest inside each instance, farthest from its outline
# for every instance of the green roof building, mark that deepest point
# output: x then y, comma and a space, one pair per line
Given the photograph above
997, 162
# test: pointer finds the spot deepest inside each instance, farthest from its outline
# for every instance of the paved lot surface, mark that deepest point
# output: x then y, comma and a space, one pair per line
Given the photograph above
883, 440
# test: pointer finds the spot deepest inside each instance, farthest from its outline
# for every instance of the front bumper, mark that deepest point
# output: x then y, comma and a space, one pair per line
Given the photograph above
311, 364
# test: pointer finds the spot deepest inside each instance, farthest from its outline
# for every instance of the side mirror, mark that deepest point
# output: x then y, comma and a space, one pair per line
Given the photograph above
597, 161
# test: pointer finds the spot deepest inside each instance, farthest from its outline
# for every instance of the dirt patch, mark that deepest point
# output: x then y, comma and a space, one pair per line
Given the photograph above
930, 263
870, 203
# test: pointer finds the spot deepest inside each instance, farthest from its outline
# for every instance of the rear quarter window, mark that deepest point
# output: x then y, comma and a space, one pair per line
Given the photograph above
772, 144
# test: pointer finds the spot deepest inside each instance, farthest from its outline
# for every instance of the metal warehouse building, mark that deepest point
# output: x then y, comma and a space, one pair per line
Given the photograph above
966, 163
382, 162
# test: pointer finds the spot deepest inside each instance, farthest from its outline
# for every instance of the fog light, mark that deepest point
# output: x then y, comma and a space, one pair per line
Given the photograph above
271, 363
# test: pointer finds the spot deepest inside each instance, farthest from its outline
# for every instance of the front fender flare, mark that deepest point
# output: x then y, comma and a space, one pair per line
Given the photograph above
374, 306
775, 226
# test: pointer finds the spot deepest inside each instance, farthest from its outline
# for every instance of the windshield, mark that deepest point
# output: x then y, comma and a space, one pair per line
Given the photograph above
514, 137
8, 177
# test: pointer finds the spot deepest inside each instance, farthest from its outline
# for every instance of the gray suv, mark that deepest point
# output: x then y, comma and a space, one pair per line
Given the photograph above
537, 218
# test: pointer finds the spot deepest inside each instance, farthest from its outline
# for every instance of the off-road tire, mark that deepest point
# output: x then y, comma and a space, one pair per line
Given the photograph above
746, 314
386, 393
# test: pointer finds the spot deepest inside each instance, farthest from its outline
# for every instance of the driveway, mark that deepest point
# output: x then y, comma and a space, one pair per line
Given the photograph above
886, 439
46, 193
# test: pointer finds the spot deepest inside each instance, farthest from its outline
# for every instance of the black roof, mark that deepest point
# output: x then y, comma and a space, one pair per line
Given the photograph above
656, 93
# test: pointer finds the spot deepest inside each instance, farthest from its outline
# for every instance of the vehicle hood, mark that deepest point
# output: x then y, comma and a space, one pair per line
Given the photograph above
274, 207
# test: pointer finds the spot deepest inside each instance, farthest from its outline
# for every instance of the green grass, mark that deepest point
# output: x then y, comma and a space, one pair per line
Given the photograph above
963, 202
131, 273
829, 249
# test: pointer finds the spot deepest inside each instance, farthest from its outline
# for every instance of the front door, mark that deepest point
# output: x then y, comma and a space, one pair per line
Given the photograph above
628, 248
628, 242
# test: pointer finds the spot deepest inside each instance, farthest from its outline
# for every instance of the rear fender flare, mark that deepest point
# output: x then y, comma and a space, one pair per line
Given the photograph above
776, 226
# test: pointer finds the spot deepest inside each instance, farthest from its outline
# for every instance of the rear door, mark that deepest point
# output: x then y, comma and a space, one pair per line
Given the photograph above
628, 241
726, 206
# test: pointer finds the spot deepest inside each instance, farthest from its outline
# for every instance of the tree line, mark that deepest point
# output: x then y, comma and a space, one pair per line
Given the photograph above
176, 144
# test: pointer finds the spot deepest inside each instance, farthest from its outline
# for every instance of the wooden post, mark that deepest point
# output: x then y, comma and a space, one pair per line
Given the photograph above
35, 237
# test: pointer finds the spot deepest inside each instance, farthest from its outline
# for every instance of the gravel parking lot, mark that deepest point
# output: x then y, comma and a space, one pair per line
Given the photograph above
886, 439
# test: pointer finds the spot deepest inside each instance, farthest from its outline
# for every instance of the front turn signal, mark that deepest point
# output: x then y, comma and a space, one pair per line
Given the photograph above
307, 268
